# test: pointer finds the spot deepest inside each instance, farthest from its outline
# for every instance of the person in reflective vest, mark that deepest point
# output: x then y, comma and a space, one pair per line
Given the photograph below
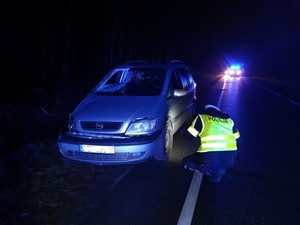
218, 145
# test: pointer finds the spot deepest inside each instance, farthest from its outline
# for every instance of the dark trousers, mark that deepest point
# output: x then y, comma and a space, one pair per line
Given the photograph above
210, 163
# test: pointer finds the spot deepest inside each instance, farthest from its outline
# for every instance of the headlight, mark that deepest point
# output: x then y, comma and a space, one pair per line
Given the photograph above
141, 127
238, 72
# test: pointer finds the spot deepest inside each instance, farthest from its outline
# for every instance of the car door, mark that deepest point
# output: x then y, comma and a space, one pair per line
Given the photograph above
189, 85
177, 104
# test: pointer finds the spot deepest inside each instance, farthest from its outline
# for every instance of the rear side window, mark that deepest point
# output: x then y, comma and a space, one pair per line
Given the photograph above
190, 77
176, 81
186, 77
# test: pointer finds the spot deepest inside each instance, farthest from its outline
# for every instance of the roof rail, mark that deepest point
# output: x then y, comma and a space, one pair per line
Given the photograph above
176, 61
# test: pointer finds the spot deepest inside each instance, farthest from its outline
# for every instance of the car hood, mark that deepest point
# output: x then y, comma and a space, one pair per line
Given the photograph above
119, 108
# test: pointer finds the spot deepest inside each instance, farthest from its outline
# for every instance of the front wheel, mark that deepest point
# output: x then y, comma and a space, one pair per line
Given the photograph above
165, 143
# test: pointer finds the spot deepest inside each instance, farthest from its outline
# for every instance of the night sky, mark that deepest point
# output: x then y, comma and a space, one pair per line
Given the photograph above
44, 42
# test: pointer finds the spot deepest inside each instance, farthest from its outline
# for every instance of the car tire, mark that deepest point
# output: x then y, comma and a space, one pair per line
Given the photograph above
165, 143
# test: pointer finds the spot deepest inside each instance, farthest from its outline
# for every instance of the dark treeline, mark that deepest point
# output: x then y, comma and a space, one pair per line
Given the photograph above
48, 42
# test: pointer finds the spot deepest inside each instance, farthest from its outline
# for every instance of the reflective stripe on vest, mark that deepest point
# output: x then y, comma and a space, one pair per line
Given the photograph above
192, 130
217, 146
237, 135
218, 137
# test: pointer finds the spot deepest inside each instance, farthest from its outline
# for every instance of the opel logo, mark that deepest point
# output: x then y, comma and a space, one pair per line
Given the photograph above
99, 126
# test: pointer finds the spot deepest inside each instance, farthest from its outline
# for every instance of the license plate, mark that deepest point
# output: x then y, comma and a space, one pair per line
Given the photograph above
97, 149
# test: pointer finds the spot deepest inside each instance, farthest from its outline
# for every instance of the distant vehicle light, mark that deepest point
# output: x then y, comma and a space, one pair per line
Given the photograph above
226, 76
238, 72
235, 70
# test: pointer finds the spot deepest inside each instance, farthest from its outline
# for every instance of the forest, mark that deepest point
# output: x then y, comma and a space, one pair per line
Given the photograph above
49, 43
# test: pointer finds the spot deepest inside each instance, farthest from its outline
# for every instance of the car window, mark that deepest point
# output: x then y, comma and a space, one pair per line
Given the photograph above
175, 83
189, 75
134, 81
116, 77
176, 80
185, 77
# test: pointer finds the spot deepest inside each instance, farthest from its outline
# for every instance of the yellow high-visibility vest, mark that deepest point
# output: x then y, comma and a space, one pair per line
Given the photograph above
216, 134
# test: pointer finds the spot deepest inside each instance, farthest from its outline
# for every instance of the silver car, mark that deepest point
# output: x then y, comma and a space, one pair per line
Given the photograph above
131, 115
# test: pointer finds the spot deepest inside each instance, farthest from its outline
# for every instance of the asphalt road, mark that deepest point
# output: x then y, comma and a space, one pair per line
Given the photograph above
262, 188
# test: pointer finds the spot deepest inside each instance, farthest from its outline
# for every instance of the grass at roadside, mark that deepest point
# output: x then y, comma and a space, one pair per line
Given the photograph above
40, 187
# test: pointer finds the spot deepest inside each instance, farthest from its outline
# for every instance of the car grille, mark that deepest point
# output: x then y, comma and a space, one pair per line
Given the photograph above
100, 126
102, 157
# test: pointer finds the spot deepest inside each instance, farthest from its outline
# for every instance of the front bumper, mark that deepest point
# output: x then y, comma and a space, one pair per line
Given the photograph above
127, 151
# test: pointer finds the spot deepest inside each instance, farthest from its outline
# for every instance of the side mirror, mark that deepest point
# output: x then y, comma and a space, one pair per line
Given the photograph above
179, 93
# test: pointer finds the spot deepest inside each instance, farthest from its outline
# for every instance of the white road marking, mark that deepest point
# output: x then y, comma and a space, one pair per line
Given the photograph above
280, 95
275, 93
187, 211
294, 102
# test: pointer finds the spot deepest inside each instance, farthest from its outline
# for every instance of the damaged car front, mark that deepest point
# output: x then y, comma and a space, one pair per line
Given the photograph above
120, 121
131, 115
